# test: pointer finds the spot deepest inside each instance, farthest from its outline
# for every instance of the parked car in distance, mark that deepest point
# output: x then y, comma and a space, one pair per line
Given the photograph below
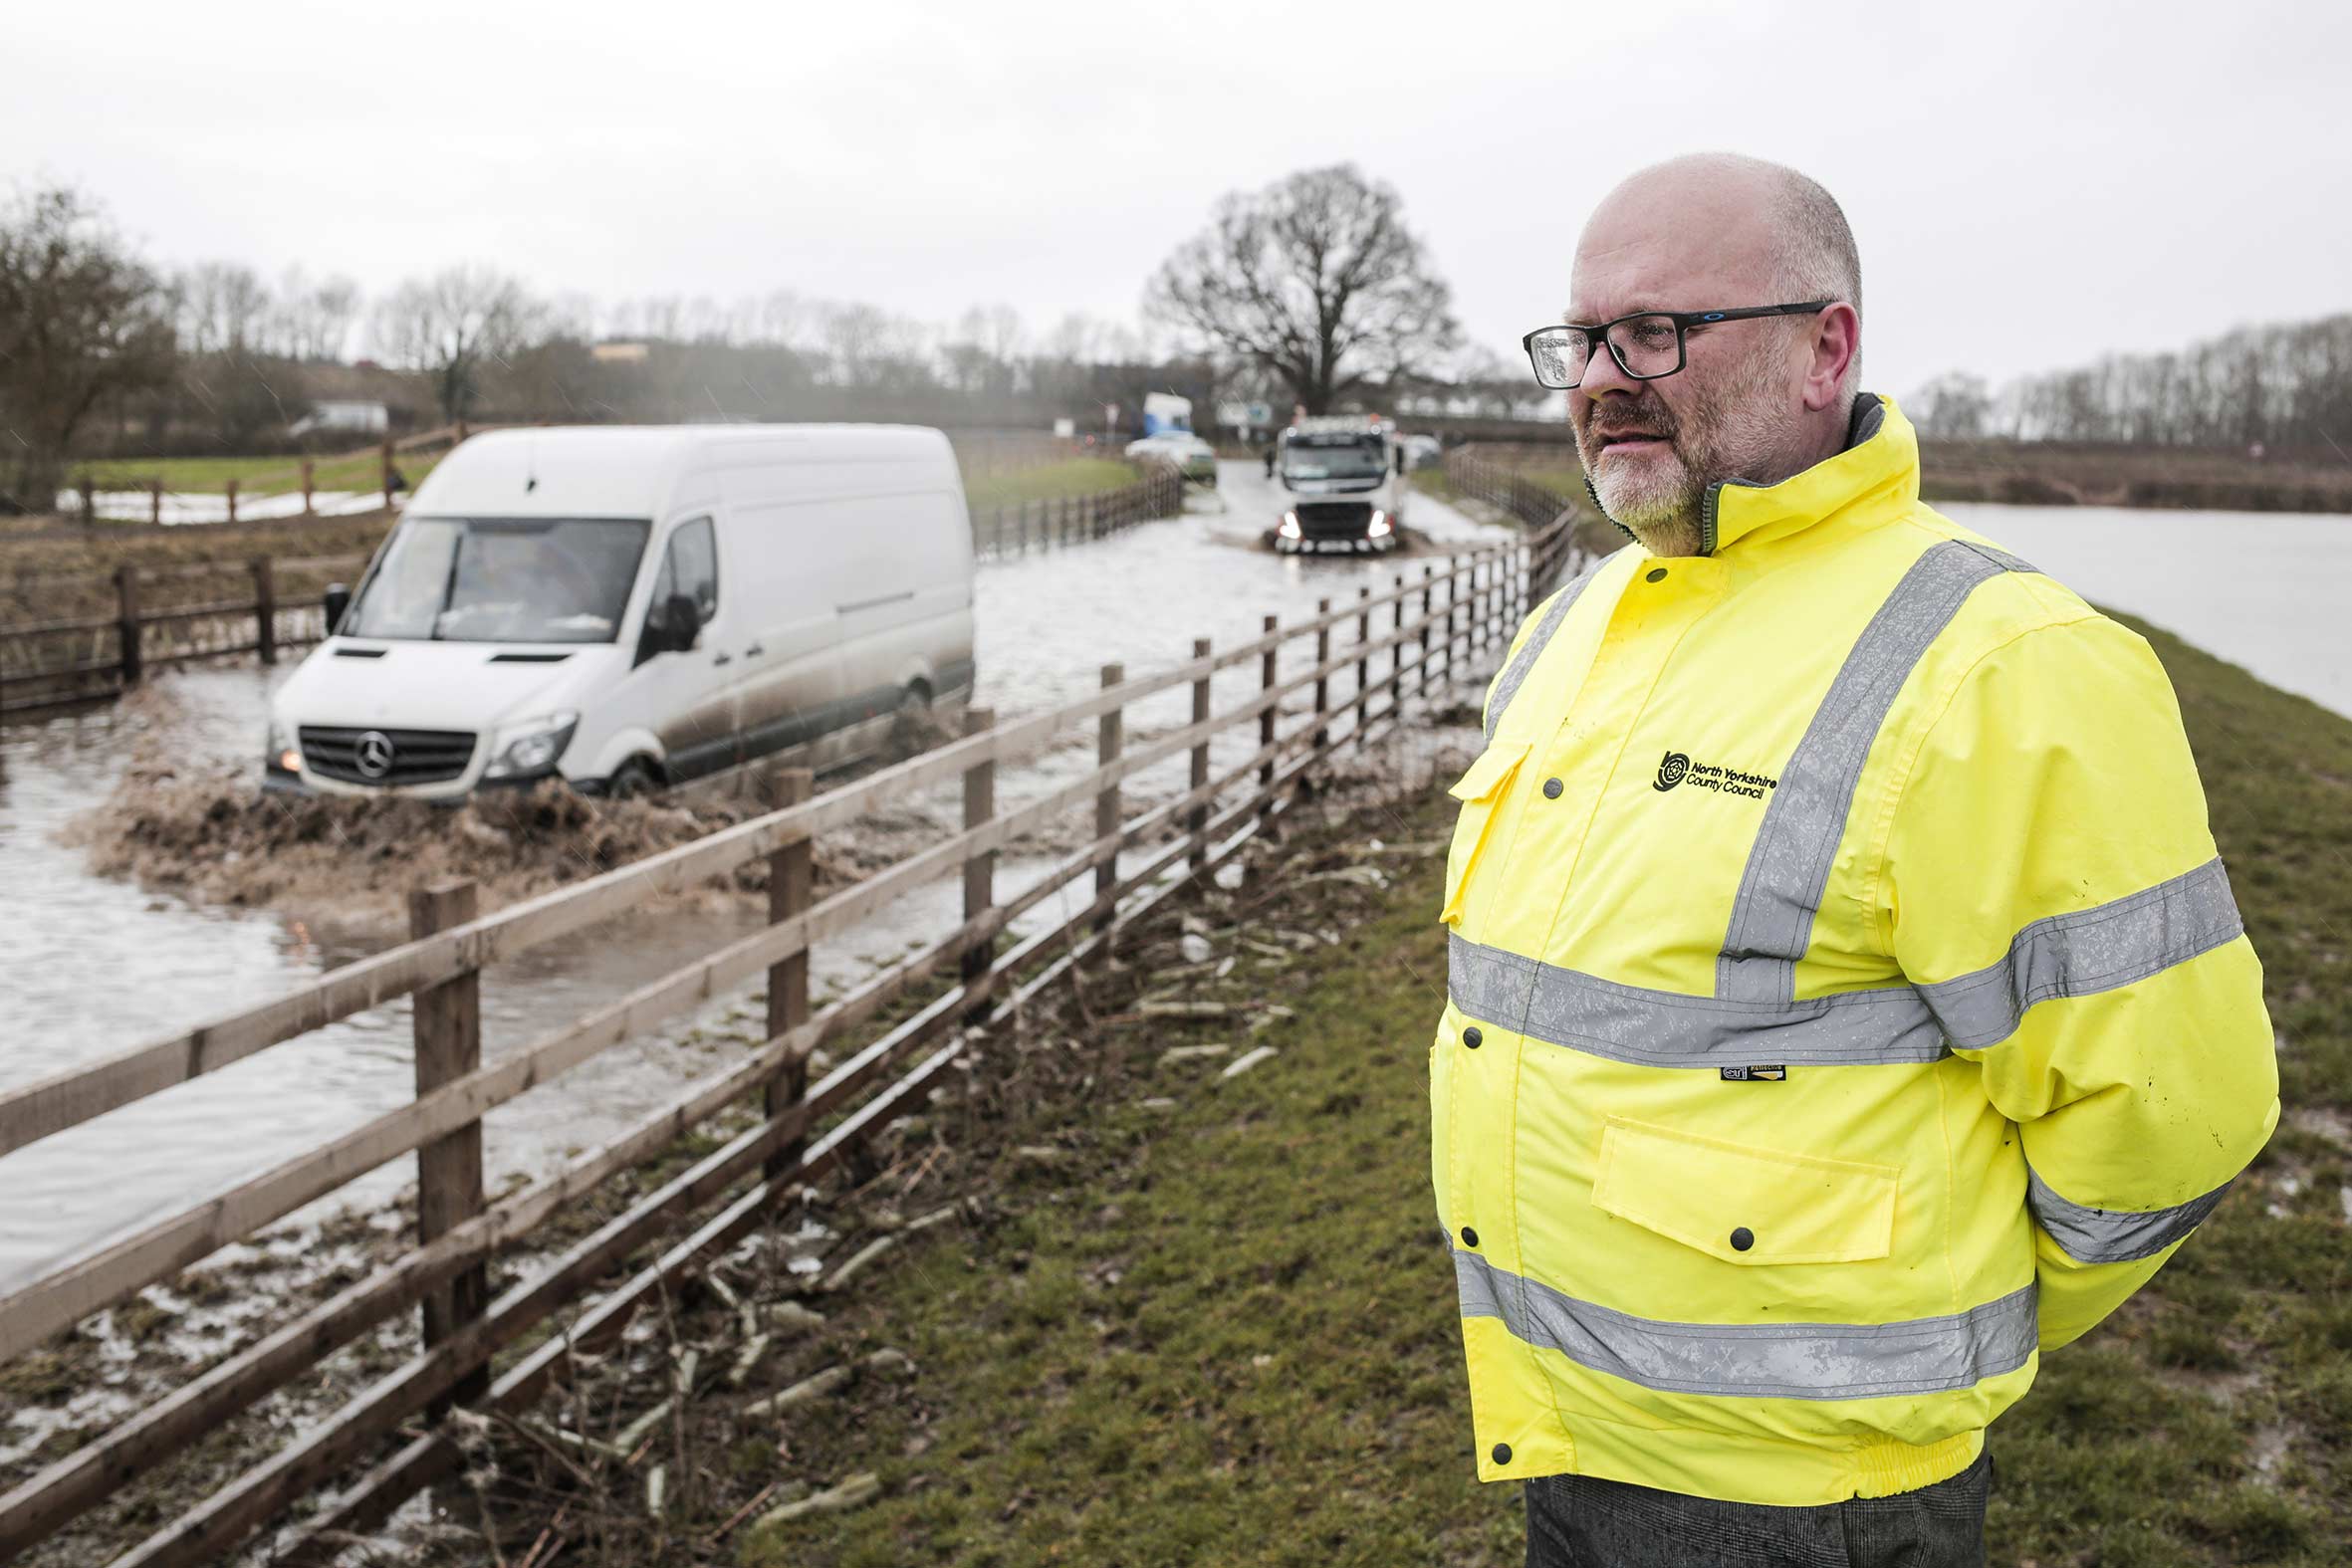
1194, 456
632, 607
1421, 450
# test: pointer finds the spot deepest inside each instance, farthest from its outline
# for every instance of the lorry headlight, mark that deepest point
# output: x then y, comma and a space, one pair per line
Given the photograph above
530, 746
1290, 529
1380, 527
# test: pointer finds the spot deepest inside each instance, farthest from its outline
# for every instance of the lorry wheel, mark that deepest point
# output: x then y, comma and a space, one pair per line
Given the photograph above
634, 779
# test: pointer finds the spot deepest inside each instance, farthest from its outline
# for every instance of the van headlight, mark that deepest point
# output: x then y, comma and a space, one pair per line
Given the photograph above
279, 750
530, 746
1380, 525
1290, 529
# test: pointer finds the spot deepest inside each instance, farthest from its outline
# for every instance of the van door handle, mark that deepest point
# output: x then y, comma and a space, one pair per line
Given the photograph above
754, 651
724, 658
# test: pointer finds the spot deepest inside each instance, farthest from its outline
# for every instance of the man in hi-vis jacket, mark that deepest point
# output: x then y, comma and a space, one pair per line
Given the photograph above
1846, 1003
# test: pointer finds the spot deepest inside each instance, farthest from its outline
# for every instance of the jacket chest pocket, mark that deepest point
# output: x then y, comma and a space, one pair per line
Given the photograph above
1745, 1205
1483, 792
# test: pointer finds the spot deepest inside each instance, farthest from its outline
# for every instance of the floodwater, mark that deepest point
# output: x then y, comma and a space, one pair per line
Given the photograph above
2267, 590
91, 966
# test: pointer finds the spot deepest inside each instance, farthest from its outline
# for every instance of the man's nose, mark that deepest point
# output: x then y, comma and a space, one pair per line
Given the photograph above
1604, 376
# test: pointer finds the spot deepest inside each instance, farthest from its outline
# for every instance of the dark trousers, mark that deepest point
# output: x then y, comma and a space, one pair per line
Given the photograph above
1578, 1521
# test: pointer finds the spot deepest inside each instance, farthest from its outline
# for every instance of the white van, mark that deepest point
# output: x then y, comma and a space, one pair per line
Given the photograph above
632, 607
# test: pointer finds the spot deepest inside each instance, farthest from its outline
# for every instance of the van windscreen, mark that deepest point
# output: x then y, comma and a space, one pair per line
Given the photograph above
502, 580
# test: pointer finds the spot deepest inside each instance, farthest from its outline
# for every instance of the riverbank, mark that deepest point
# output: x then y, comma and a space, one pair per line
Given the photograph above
2051, 474
1165, 1311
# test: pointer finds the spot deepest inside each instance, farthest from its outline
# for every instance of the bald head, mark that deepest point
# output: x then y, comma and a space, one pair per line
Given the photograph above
1736, 220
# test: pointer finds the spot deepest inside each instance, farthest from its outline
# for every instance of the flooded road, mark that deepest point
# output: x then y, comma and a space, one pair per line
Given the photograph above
89, 965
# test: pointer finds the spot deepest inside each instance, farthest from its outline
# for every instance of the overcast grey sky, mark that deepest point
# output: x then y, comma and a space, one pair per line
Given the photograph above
2031, 184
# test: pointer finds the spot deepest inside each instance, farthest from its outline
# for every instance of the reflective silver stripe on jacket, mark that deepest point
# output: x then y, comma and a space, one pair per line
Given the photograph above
1788, 867
2088, 951
1927, 1355
1665, 1029
1516, 674
2113, 1236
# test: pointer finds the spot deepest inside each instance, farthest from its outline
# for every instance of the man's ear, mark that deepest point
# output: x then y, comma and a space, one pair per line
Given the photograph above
1836, 341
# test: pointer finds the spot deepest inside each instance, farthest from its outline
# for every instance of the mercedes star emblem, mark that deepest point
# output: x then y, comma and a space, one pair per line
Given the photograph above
373, 754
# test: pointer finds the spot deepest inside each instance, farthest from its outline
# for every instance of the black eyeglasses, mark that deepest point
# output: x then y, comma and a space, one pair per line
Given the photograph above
1646, 345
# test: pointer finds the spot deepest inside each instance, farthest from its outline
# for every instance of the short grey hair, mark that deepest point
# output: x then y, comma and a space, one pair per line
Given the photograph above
1819, 259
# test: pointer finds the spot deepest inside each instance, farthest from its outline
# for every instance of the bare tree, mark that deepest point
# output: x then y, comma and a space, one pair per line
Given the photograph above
451, 325
82, 320
1315, 279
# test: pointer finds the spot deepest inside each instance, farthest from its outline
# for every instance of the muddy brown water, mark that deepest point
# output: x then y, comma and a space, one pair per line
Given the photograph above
90, 965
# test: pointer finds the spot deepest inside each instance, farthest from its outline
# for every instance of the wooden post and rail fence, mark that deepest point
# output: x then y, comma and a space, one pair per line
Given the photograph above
301, 474
388, 1442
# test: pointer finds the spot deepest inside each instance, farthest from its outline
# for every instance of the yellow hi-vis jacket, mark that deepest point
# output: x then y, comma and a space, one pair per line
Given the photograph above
1845, 999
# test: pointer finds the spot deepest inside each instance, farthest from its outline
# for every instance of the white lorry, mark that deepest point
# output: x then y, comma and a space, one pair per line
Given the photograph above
634, 608
1340, 485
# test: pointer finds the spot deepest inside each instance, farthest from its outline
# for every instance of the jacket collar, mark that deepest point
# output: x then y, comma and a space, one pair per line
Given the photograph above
1881, 454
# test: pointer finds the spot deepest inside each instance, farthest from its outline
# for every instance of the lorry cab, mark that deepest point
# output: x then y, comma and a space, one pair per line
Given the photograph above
632, 607
1339, 481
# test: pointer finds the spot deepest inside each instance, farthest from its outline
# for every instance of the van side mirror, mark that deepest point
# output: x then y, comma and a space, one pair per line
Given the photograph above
338, 599
671, 627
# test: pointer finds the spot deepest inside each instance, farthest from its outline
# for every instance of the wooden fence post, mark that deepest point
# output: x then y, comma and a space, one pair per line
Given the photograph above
387, 471
1322, 678
448, 1030
1266, 720
89, 489
309, 474
229, 489
155, 502
1427, 578
1363, 663
979, 870
126, 621
1198, 817
788, 871
265, 609
1396, 654
1453, 614
1110, 738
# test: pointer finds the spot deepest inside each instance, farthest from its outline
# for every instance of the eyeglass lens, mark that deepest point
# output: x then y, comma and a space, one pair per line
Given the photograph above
1645, 347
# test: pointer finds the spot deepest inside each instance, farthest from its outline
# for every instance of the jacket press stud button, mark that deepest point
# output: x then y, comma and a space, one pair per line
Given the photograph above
1552, 788
1469, 1237
1743, 1238
1658, 575
1471, 1036
1501, 1453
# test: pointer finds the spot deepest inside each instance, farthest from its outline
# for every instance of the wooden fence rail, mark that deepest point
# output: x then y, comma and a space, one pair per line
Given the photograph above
1026, 526
1438, 623
54, 664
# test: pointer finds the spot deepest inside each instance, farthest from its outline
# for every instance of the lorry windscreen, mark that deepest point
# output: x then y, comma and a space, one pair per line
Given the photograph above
1358, 459
502, 580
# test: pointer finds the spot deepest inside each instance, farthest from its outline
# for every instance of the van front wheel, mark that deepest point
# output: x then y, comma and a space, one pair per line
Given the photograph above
634, 779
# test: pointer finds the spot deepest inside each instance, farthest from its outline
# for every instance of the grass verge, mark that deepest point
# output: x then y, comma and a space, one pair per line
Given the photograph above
1076, 476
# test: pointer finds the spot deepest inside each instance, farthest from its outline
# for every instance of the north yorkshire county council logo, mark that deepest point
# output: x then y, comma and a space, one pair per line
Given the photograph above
1676, 767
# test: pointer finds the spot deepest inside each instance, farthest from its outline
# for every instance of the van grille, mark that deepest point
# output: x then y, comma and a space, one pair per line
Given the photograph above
418, 756
1334, 519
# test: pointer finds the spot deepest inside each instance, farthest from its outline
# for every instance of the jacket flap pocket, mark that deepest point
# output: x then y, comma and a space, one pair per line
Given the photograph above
1491, 772
1743, 1204
1482, 792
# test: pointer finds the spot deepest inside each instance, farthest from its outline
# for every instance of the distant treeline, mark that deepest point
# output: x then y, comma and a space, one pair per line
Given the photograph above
2285, 388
